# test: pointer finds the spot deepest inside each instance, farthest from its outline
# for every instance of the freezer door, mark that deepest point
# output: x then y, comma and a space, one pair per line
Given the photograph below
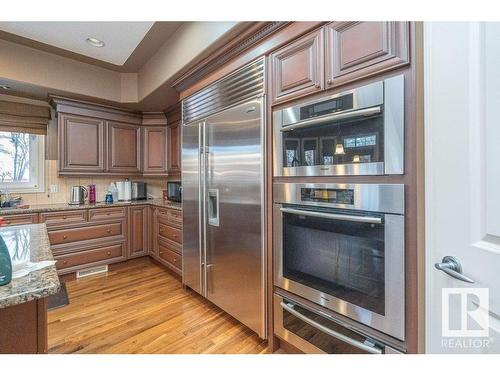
192, 200
234, 242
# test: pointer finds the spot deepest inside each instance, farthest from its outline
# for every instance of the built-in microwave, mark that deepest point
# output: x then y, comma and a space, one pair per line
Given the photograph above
355, 132
341, 246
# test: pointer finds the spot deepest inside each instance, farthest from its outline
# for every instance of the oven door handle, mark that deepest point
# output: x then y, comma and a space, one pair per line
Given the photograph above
324, 215
330, 332
334, 116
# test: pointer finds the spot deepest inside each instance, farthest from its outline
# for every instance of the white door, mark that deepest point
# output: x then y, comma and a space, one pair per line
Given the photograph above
462, 157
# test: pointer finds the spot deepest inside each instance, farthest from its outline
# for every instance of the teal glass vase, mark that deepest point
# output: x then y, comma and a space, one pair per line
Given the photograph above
5, 264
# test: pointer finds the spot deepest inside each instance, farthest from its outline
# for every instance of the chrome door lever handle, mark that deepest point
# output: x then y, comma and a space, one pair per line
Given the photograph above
452, 267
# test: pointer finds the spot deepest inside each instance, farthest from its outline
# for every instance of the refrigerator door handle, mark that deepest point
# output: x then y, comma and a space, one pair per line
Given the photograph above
210, 288
203, 158
213, 207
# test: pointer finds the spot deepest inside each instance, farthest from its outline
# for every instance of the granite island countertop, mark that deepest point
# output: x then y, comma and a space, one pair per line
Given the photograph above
28, 243
35, 208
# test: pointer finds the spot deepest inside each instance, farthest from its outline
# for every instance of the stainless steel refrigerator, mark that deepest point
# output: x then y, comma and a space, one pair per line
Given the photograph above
222, 177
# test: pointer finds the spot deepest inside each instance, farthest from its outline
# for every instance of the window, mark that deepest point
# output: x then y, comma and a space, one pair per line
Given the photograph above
21, 162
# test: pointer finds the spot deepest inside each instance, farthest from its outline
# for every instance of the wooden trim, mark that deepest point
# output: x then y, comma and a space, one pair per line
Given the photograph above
247, 39
173, 113
89, 109
265, 45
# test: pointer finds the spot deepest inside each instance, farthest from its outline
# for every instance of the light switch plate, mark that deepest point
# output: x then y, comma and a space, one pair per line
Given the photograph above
54, 188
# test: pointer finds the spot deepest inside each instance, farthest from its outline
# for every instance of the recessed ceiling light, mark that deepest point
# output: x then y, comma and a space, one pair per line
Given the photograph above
4, 87
95, 42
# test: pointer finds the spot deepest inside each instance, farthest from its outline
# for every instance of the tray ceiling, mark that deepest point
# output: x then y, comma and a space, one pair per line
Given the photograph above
120, 38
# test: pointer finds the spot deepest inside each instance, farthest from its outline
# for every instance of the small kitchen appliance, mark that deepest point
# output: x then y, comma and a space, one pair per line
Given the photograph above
139, 190
174, 191
77, 195
124, 190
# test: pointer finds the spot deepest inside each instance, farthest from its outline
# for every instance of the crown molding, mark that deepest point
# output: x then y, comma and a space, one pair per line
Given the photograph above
249, 38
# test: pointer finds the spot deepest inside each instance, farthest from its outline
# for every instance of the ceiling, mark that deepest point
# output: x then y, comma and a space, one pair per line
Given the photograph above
159, 52
124, 41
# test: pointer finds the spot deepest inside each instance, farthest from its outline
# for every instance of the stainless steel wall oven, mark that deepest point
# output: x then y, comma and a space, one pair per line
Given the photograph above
342, 246
356, 132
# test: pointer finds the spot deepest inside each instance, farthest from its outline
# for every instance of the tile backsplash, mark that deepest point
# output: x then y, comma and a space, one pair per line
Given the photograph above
155, 186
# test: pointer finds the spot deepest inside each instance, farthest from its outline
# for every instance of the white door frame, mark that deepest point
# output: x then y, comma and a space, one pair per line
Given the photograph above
461, 89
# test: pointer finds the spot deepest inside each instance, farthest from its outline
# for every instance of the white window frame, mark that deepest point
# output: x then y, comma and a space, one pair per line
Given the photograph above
36, 184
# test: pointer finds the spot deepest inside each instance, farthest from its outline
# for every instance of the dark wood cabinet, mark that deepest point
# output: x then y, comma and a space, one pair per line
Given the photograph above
298, 68
124, 152
337, 54
84, 238
16, 219
154, 146
167, 234
174, 148
23, 328
356, 50
138, 231
81, 144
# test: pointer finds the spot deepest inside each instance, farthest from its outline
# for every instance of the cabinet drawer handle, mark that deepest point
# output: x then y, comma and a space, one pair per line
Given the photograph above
161, 252
175, 260
65, 237
317, 85
329, 82
65, 262
8, 221
109, 252
108, 230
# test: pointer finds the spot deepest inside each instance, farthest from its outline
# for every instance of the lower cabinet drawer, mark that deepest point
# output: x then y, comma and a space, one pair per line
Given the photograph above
20, 219
175, 217
169, 232
175, 259
62, 236
90, 256
63, 217
96, 214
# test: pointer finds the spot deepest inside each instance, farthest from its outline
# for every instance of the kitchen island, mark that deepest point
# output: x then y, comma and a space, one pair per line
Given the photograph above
23, 308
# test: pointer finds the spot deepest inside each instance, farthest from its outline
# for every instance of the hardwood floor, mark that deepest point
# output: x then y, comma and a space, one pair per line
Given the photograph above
138, 307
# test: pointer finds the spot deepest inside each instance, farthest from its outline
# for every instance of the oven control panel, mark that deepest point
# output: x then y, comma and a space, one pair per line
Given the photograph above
325, 195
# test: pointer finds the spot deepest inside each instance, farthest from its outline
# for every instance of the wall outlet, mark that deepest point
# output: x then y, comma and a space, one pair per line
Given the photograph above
54, 188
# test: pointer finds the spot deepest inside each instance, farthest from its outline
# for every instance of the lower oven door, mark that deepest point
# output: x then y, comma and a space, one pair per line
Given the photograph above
314, 332
349, 262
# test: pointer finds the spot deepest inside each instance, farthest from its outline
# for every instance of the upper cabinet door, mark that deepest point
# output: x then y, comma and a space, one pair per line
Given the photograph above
154, 147
356, 50
298, 68
174, 148
124, 148
81, 144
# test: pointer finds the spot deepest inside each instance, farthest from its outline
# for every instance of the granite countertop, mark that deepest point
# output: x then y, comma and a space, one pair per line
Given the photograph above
28, 243
35, 208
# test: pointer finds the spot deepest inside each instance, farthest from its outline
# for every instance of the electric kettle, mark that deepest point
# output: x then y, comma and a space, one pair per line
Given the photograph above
77, 195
